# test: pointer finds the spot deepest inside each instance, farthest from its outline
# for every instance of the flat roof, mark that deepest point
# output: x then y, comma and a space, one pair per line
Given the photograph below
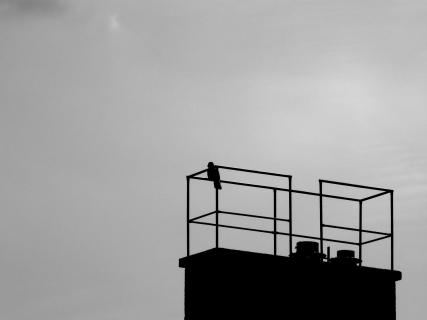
232, 258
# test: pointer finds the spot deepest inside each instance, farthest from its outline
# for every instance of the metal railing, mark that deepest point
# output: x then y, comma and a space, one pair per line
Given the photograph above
291, 191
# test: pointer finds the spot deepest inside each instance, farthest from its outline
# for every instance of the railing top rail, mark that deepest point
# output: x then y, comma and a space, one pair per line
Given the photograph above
242, 170
197, 173
354, 185
384, 190
280, 189
255, 171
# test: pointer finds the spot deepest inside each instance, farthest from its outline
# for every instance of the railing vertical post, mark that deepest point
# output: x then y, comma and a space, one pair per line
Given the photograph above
321, 214
290, 215
275, 220
216, 219
360, 232
391, 232
188, 216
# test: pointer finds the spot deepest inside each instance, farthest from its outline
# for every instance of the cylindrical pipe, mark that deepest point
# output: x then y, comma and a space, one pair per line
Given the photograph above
275, 221
391, 232
290, 215
321, 214
360, 232
216, 220
188, 216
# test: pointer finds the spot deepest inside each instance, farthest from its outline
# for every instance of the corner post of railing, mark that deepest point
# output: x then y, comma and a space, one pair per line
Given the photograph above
360, 232
216, 219
290, 214
275, 220
321, 214
391, 231
188, 216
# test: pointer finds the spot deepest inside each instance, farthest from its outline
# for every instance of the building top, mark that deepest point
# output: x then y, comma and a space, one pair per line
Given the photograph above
230, 258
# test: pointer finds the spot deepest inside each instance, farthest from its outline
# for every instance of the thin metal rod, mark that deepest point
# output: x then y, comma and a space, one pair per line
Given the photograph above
216, 220
377, 239
272, 232
202, 216
275, 221
232, 227
386, 235
238, 183
376, 195
354, 229
279, 189
354, 185
391, 231
290, 215
197, 173
360, 233
321, 215
323, 195
251, 215
317, 238
188, 216
255, 171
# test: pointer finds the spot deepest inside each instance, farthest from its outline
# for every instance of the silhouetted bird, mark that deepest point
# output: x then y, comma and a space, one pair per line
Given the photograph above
213, 175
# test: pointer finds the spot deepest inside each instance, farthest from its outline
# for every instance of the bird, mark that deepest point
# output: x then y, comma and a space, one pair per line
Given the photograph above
213, 175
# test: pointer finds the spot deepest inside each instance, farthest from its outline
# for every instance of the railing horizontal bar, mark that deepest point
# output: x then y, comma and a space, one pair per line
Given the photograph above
272, 232
238, 183
280, 189
197, 173
251, 215
248, 185
232, 227
355, 229
353, 185
377, 239
376, 195
340, 241
317, 238
202, 216
298, 235
324, 195
255, 171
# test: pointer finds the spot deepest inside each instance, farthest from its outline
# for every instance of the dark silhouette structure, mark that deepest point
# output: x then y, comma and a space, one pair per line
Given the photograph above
222, 283
213, 175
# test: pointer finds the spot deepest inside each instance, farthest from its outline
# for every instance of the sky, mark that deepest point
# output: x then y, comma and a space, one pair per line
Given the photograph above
106, 106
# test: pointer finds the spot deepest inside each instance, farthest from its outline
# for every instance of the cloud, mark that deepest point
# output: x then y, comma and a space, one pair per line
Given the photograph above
32, 6
114, 22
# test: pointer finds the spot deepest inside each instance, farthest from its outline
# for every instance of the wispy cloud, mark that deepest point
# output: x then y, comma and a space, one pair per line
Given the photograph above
31, 6
114, 23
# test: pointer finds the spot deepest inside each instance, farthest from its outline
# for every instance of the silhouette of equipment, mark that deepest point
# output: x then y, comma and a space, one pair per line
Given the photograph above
345, 257
308, 251
304, 283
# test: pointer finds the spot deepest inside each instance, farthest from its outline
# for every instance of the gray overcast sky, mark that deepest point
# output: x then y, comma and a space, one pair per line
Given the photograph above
105, 106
